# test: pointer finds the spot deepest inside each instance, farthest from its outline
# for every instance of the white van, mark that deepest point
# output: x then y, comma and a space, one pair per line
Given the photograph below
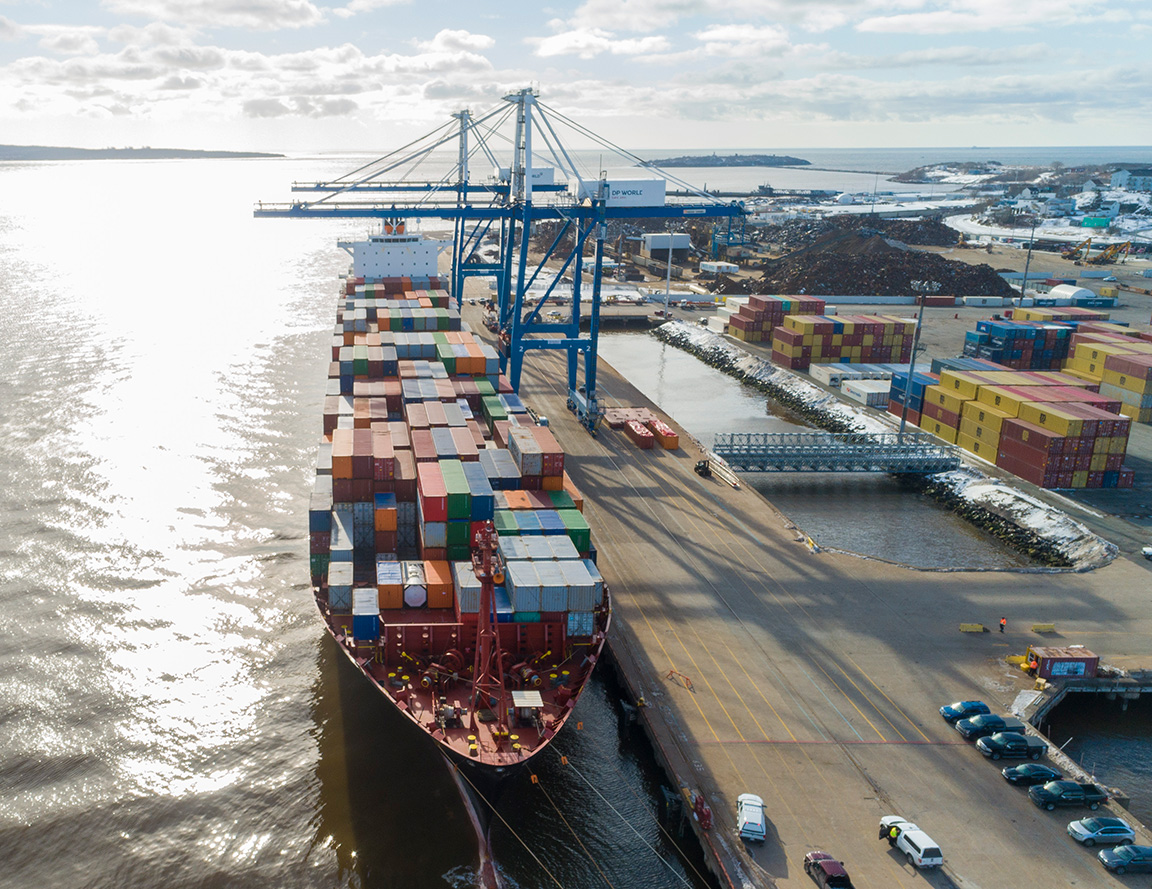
750, 818
919, 848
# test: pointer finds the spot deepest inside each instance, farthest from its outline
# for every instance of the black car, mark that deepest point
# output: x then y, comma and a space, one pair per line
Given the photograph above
963, 710
987, 724
1122, 859
1029, 773
1011, 745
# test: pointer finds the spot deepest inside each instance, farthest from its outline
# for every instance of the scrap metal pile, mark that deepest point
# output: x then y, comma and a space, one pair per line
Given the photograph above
847, 262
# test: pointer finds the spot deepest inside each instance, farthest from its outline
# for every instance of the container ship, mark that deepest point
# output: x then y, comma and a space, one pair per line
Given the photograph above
450, 558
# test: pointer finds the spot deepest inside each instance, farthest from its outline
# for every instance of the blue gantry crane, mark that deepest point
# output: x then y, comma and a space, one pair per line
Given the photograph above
520, 195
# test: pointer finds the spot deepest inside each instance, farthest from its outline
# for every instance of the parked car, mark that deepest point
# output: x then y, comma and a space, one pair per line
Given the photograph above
963, 710
919, 848
1137, 859
826, 870
1028, 773
987, 724
1067, 793
1011, 745
750, 818
1103, 830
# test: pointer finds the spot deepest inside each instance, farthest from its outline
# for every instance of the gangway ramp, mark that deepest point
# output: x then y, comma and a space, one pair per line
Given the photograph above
916, 452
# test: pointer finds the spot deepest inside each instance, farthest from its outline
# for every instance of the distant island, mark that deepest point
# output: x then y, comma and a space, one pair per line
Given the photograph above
53, 153
731, 160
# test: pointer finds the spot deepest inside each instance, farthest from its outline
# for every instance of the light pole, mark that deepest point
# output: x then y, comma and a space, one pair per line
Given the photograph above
923, 288
1028, 259
668, 281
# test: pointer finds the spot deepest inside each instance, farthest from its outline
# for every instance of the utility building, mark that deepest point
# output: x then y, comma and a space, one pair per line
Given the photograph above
655, 245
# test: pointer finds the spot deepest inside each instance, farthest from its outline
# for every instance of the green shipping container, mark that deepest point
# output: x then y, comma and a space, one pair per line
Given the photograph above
459, 553
441, 319
447, 357
505, 523
319, 564
459, 532
561, 499
360, 361
526, 617
484, 387
578, 530
459, 494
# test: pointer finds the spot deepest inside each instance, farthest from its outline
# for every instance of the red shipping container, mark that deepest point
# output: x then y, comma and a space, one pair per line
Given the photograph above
362, 490
551, 452
531, 482
405, 477
938, 413
383, 457
1095, 480
398, 432
417, 415
342, 444
465, 444
433, 493
362, 453
385, 542
423, 447
319, 542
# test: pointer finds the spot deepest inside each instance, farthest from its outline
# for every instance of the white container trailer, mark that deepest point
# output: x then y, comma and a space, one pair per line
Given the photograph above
717, 324
991, 301
833, 375
873, 393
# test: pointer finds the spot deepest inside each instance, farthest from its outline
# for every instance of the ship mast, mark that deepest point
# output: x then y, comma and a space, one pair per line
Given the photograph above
488, 673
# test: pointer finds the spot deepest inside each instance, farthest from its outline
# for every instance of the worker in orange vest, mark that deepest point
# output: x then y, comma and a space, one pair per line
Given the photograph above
1003, 623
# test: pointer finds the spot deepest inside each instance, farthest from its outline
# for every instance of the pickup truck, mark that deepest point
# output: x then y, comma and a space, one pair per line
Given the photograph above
987, 724
1011, 745
1067, 793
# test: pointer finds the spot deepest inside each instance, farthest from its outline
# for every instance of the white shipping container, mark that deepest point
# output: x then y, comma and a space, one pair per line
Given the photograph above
365, 600
873, 393
553, 586
719, 268
523, 586
622, 192
984, 300
733, 303
717, 325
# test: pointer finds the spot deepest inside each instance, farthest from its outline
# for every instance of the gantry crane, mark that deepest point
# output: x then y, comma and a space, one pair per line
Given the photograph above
509, 207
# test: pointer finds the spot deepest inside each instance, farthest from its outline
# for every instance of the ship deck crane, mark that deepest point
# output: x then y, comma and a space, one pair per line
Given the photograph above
510, 209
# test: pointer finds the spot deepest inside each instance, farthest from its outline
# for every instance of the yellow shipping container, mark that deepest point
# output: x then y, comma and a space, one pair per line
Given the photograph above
867, 339
985, 415
1091, 370
1080, 479
1080, 376
945, 399
1000, 398
1098, 463
960, 383
1124, 381
979, 431
1138, 415
979, 448
938, 429
1052, 417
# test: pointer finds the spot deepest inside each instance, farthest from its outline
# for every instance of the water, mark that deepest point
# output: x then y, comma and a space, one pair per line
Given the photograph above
171, 711
900, 525
1109, 742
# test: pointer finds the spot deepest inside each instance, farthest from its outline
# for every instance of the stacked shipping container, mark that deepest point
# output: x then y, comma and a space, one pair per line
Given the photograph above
806, 339
756, 316
1049, 428
1121, 365
424, 442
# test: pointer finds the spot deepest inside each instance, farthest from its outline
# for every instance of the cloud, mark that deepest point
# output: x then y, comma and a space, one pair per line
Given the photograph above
947, 56
68, 41
588, 43
456, 41
299, 106
255, 15
9, 30
358, 6
958, 16
743, 40
176, 82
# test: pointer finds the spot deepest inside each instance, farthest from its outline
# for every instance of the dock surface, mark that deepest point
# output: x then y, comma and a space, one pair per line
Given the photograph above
814, 678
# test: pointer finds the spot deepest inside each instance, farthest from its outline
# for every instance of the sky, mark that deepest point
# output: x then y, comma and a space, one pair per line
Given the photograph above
301, 76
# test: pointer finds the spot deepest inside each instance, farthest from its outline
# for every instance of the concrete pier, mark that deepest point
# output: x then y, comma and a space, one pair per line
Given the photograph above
814, 679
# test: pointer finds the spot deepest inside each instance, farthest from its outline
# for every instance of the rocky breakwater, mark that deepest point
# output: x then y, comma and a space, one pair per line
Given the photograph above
1052, 538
